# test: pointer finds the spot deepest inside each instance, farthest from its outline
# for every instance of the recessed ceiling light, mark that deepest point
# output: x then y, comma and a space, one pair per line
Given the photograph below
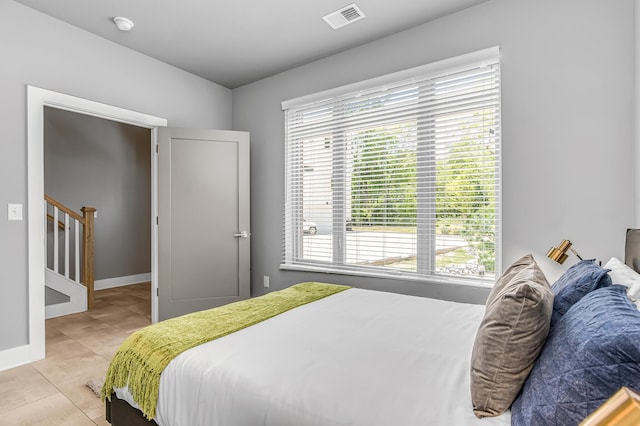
123, 24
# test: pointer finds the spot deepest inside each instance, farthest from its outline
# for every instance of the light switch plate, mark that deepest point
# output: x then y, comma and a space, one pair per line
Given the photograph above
14, 211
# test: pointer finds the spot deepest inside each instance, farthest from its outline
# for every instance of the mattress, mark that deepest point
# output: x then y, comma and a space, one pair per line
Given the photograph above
359, 357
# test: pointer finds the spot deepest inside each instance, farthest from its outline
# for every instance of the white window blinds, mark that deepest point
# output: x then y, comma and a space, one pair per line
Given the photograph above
398, 176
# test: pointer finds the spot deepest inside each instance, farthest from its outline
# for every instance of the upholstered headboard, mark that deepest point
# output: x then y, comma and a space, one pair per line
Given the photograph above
632, 249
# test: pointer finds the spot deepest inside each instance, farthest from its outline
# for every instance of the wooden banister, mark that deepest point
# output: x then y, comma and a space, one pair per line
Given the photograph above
87, 222
88, 213
64, 208
51, 219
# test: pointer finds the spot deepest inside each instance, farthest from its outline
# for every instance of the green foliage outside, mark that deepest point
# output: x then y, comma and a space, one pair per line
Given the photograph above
383, 187
466, 192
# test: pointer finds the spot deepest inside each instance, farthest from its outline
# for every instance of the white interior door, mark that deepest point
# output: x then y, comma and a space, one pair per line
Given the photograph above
203, 219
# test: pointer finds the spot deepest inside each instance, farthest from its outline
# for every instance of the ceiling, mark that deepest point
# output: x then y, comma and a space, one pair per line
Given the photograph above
236, 42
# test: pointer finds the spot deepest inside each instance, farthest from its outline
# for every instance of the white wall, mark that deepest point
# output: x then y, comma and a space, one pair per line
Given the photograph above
567, 125
44, 52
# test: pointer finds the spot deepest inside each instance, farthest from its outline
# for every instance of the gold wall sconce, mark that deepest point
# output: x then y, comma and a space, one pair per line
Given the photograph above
559, 254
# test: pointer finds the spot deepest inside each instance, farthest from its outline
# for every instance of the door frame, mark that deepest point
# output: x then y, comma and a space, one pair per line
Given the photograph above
37, 99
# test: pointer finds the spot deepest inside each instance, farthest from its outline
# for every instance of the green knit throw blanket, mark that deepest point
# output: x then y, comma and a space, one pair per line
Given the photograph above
141, 359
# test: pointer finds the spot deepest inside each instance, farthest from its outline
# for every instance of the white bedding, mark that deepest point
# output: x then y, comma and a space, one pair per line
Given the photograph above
359, 357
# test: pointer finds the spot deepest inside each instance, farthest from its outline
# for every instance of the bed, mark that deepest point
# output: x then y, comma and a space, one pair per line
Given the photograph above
354, 357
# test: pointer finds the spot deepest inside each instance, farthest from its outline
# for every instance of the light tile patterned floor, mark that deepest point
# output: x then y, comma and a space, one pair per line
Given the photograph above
53, 391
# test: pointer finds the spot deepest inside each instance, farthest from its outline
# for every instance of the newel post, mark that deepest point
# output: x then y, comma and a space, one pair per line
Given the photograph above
88, 213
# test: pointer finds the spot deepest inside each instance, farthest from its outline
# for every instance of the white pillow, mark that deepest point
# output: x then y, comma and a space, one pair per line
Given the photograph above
623, 274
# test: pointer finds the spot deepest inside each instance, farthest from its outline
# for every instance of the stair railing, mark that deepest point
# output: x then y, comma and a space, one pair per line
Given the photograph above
53, 211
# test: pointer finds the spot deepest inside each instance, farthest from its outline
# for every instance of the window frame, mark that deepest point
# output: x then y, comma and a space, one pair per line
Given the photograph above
293, 240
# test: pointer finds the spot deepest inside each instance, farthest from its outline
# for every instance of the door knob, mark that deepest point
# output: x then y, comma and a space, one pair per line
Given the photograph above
242, 234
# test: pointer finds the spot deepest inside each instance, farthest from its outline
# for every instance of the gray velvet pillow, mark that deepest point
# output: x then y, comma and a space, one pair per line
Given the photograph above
510, 337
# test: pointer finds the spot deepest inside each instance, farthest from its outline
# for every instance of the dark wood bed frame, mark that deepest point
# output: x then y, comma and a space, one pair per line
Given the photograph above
120, 413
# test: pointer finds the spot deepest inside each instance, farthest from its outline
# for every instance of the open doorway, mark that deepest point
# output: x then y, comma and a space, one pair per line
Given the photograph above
37, 100
92, 161
188, 159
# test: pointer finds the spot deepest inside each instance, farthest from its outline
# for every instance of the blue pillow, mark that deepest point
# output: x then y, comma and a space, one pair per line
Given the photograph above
593, 351
582, 278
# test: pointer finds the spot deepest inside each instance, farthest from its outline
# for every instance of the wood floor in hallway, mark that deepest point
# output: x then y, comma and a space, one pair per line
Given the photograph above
53, 391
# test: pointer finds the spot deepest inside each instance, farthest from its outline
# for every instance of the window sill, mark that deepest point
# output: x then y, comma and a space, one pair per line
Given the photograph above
437, 279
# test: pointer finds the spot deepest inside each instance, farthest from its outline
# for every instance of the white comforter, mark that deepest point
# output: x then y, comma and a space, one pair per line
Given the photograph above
359, 357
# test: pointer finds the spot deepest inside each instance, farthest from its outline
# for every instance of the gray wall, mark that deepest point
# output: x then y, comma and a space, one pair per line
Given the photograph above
53, 297
44, 52
567, 105
90, 161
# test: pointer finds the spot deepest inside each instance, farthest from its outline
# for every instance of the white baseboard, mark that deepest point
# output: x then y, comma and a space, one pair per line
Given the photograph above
21, 355
121, 281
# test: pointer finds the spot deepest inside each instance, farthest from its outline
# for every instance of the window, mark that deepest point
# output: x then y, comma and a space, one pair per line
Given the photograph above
398, 176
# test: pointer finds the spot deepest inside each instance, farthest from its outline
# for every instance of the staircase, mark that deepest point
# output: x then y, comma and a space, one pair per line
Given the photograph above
69, 272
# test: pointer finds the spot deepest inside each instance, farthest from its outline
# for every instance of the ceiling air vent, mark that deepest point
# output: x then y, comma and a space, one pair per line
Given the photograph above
344, 16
